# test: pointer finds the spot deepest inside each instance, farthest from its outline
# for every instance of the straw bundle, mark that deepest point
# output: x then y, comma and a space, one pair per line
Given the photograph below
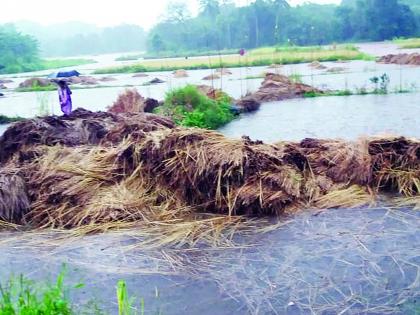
140, 170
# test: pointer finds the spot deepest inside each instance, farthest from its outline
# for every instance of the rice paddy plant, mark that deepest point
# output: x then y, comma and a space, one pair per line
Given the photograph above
125, 302
20, 296
409, 43
258, 57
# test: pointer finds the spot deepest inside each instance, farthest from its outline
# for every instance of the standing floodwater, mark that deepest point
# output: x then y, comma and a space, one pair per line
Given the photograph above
347, 117
361, 260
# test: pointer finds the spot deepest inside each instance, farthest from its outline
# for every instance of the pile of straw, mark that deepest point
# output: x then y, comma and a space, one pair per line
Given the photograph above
140, 169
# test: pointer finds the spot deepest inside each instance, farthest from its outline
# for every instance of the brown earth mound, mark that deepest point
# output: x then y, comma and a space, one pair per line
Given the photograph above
180, 74
211, 77
248, 104
155, 81
34, 82
92, 169
107, 79
83, 80
277, 87
336, 69
224, 71
401, 59
140, 75
317, 65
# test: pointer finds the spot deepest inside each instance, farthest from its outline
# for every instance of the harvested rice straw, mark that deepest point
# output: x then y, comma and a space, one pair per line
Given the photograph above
352, 197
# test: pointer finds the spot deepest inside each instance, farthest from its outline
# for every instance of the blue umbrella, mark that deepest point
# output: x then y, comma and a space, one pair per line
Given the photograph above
64, 74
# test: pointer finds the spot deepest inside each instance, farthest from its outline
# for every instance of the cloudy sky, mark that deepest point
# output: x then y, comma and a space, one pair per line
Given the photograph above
99, 12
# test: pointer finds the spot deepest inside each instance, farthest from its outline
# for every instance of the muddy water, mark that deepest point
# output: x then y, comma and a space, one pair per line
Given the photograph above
364, 261
356, 76
331, 117
3, 128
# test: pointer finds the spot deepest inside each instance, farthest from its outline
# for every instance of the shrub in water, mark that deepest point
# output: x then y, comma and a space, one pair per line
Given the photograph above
189, 107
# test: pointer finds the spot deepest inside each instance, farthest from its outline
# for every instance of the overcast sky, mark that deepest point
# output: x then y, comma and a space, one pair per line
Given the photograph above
99, 12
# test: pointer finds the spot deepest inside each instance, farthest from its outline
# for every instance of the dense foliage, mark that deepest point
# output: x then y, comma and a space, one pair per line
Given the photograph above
222, 25
17, 52
188, 107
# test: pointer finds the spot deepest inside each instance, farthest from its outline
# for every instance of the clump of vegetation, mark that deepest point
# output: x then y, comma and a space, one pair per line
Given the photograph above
409, 43
22, 296
129, 57
381, 84
46, 64
36, 87
295, 78
125, 302
20, 53
189, 53
8, 120
187, 106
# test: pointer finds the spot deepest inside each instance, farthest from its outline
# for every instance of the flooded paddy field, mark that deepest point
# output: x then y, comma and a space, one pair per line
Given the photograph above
337, 261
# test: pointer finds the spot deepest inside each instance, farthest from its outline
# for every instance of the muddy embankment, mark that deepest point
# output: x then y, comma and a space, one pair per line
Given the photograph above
401, 59
90, 170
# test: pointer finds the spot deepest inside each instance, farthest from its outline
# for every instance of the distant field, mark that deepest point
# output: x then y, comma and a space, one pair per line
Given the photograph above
129, 57
62, 63
409, 43
258, 57
191, 54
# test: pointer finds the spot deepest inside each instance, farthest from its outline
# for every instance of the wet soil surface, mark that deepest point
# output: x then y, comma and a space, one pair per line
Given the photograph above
354, 261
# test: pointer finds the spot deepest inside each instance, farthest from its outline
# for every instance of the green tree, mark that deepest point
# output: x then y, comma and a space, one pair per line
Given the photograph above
17, 52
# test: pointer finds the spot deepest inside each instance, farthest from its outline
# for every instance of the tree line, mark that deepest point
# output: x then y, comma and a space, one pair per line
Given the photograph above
219, 25
18, 52
222, 25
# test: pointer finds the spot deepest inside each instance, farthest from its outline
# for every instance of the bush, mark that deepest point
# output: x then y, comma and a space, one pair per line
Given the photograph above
188, 107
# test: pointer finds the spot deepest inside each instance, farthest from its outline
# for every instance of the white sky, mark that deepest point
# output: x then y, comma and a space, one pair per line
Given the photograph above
99, 12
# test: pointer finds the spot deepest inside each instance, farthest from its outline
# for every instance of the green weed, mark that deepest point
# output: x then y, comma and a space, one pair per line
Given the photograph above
22, 297
188, 107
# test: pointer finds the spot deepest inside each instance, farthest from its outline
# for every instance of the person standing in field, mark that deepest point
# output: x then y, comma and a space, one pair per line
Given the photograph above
64, 94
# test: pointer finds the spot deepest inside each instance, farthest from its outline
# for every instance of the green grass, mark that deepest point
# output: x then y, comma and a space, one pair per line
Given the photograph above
409, 43
125, 302
183, 54
45, 64
259, 57
8, 120
62, 63
358, 92
37, 88
188, 107
21, 296
129, 57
